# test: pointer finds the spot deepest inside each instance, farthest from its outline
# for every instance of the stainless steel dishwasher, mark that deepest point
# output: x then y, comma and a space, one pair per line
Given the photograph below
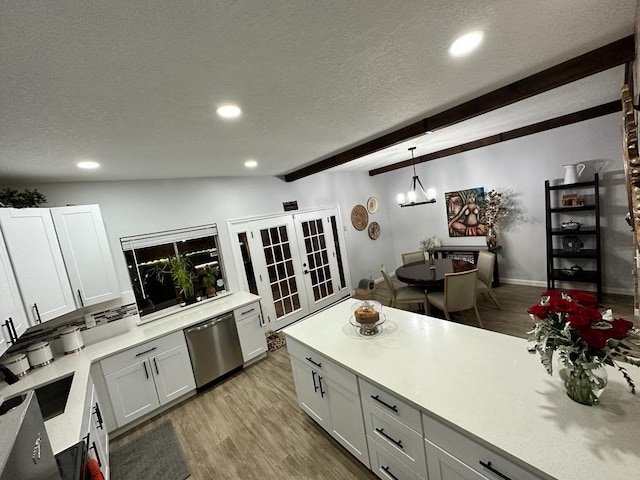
214, 348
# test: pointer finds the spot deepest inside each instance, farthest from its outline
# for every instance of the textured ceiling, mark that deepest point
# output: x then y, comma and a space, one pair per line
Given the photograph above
134, 85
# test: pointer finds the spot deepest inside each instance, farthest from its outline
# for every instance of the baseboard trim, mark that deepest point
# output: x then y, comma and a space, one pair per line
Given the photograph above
567, 285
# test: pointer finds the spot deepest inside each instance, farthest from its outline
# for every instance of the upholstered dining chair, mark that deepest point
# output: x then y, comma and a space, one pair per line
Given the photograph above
486, 264
459, 294
403, 295
412, 257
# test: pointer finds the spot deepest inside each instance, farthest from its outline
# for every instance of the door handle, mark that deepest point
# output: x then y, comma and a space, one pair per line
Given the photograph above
8, 327
13, 328
95, 450
155, 364
322, 392
80, 297
35, 306
146, 373
313, 376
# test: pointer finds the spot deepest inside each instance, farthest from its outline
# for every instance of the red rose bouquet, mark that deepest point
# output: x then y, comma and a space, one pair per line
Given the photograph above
585, 338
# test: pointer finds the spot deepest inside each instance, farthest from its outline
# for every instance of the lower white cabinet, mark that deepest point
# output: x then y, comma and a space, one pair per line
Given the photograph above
452, 455
142, 379
95, 430
253, 342
329, 394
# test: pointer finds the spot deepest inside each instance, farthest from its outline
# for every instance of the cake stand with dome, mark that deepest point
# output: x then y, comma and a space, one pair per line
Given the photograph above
367, 317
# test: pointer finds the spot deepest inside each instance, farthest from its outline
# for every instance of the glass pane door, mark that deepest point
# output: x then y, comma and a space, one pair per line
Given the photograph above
318, 256
281, 283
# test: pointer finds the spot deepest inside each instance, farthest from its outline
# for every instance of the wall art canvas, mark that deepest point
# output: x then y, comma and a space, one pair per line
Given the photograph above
465, 213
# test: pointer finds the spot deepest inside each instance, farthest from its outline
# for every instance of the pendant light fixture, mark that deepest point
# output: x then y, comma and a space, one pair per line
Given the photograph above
416, 194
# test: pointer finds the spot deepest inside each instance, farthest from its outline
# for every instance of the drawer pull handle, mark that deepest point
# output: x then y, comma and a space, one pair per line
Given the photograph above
247, 311
146, 351
388, 472
390, 407
317, 364
491, 469
398, 443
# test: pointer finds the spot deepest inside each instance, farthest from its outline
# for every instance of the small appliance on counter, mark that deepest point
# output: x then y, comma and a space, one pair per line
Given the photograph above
71, 340
39, 354
18, 364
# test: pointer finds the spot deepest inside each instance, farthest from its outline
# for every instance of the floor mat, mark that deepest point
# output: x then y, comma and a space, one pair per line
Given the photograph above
276, 341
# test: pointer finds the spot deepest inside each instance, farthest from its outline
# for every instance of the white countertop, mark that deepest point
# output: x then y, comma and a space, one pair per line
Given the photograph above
488, 385
65, 429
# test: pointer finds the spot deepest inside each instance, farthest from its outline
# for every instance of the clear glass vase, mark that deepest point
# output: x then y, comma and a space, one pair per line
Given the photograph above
584, 383
492, 238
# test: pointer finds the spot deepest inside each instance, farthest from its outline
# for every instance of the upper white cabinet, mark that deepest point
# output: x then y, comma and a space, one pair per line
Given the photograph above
86, 252
13, 319
37, 262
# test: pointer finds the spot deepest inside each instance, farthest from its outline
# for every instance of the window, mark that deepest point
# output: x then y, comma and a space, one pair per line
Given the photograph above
174, 267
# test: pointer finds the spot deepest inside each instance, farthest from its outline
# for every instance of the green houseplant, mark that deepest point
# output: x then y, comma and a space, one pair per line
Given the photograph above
209, 281
181, 272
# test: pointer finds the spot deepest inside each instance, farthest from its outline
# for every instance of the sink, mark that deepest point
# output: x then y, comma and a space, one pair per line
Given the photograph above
53, 396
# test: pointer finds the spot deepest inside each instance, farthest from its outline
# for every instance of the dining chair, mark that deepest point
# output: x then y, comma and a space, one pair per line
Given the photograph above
486, 264
403, 295
459, 294
412, 257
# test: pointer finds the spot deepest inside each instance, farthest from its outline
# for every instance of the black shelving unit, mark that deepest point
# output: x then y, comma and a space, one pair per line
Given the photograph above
586, 261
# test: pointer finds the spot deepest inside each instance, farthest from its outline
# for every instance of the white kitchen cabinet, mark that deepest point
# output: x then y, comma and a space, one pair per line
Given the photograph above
330, 395
37, 263
142, 379
396, 428
87, 256
452, 455
95, 431
13, 318
253, 342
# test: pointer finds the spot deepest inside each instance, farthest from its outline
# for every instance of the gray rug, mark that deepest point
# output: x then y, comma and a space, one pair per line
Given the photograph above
155, 455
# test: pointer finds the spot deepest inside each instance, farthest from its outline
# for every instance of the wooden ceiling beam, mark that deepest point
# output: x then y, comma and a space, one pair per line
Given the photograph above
582, 115
598, 60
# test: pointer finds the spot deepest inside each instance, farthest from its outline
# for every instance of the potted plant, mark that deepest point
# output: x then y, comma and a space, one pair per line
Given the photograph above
182, 275
209, 281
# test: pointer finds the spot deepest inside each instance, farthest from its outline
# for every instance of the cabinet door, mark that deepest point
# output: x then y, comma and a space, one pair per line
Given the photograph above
13, 318
37, 262
443, 466
309, 395
347, 423
98, 437
252, 339
87, 256
172, 373
132, 392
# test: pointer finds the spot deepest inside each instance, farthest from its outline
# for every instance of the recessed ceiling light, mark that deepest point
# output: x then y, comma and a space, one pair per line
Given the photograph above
88, 164
250, 164
466, 43
229, 111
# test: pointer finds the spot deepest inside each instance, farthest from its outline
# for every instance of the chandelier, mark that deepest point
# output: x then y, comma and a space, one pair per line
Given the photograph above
416, 194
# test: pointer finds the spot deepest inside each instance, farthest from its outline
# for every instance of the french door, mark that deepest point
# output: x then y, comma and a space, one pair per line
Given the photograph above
295, 262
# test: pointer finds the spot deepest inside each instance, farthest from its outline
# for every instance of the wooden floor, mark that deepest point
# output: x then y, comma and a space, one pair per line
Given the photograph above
251, 427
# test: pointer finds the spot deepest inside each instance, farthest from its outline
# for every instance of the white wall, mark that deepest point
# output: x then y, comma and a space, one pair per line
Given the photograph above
524, 164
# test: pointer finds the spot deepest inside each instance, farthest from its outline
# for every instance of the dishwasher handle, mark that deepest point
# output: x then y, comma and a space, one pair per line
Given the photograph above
208, 324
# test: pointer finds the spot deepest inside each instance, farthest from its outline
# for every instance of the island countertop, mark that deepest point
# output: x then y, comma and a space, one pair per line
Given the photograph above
489, 387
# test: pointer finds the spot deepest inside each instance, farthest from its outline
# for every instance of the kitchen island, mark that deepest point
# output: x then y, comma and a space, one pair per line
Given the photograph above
481, 390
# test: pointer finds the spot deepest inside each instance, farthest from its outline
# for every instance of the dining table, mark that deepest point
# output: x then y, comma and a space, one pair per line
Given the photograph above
429, 274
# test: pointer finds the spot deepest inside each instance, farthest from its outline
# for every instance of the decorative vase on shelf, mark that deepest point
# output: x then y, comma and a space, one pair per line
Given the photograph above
584, 385
492, 238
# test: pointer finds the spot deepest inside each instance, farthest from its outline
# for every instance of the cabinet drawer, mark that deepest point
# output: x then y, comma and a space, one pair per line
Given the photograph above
142, 351
247, 311
320, 363
391, 404
386, 466
406, 444
471, 453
